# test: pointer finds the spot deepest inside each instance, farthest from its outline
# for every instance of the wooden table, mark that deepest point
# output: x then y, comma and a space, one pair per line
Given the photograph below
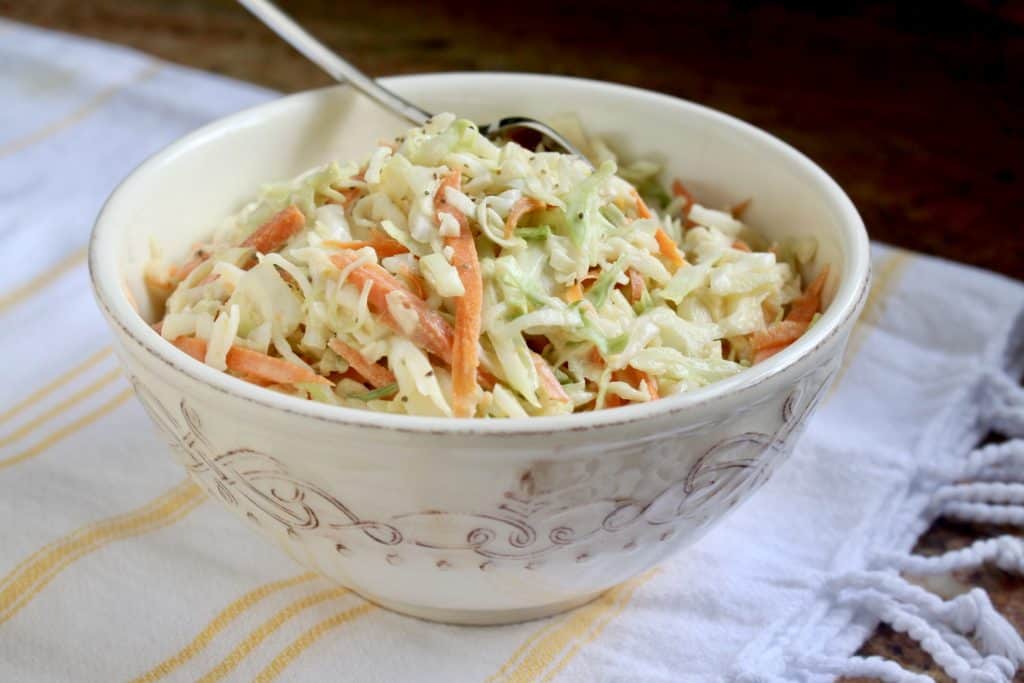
915, 111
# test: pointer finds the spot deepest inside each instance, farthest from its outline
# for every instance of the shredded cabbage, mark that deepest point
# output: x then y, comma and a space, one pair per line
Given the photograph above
582, 309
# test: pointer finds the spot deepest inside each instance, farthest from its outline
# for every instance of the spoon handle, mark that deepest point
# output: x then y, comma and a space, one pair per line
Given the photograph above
343, 72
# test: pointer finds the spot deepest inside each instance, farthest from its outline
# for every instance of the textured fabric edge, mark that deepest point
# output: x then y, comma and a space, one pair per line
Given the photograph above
965, 635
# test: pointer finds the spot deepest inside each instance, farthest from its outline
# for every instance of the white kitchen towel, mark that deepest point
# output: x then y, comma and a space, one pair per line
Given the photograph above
114, 567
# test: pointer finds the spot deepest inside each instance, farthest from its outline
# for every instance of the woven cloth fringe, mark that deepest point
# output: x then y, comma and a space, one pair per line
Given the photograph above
965, 636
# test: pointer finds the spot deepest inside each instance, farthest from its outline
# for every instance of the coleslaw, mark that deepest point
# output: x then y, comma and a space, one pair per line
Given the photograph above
448, 275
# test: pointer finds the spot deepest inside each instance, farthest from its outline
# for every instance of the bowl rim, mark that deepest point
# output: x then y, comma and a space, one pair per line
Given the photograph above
847, 300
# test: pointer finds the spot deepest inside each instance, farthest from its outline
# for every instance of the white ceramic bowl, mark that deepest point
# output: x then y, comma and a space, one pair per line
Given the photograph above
459, 520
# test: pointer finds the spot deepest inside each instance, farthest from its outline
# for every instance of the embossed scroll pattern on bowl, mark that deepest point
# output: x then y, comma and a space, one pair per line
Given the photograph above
526, 525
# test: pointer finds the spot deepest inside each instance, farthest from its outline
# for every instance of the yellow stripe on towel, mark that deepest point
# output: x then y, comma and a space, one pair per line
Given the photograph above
98, 100
69, 402
48, 388
219, 623
266, 629
20, 586
302, 643
25, 292
569, 634
67, 430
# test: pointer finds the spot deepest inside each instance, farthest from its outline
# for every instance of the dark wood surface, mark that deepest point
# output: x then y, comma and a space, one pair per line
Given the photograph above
915, 108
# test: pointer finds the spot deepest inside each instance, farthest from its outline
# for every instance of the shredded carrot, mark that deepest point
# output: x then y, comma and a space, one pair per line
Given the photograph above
262, 366
468, 307
155, 285
652, 385
350, 194
781, 334
254, 364
669, 249
614, 401
548, 382
768, 352
636, 285
433, 333
179, 273
486, 379
807, 304
741, 245
416, 283
382, 244
348, 374
193, 346
520, 208
374, 373
272, 235
269, 237
741, 208
635, 378
679, 190
574, 293
778, 334
641, 205
595, 356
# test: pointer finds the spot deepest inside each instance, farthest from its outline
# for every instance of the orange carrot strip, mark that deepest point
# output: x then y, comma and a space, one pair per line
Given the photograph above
468, 307
807, 304
193, 346
486, 379
377, 375
262, 366
778, 334
669, 248
548, 382
574, 293
272, 235
741, 245
155, 285
641, 205
382, 244
614, 401
520, 208
417, 285
634, 377
623, 375
179, 273
741, 208
679, 190
762, 354
348, 374
433, 333
595, 356
350, 194
781, 334
636, 285
652, 385
254, 364
269, 237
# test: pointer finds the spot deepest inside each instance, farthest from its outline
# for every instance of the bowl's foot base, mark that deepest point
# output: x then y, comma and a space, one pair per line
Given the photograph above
469, 617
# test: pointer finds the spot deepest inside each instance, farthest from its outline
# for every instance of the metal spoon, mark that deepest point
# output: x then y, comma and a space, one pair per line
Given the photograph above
527, 131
